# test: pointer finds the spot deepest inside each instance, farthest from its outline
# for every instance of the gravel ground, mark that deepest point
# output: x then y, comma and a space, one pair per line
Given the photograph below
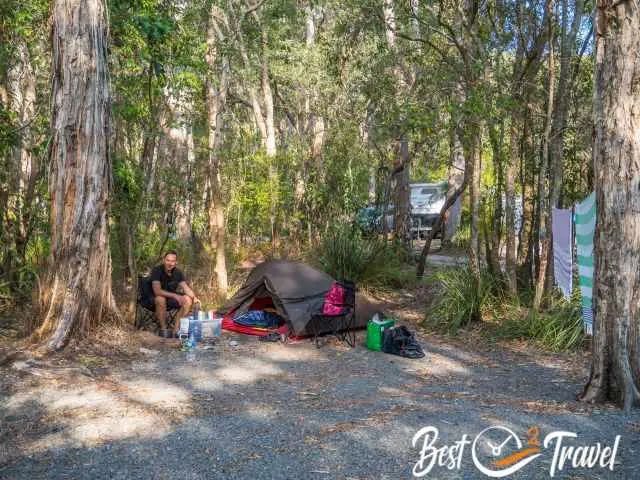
294, 411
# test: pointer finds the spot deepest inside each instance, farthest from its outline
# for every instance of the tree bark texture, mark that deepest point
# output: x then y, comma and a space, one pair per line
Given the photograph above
474, 165
402, 220
615, 368
526, 66
496, 138
561, 107
80, 171
216, 101
545, 217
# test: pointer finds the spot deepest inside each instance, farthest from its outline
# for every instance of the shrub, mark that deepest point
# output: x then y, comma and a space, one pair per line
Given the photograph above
458, 299
345, 253
559, 328
462, 237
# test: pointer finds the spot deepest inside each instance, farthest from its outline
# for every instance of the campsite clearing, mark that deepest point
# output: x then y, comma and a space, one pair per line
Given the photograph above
262, 410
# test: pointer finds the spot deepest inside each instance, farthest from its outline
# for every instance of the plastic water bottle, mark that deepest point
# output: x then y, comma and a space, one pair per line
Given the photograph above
195, 326
189, 344
191, 355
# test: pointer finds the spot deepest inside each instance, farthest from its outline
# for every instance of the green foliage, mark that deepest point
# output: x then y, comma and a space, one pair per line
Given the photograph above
345, 253
458, 298
462, 237
347, 76
127, 180
560, 328
8, 136
17, 286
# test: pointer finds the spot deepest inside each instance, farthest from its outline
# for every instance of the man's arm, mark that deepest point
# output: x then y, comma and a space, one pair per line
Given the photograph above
188, 292
159, 292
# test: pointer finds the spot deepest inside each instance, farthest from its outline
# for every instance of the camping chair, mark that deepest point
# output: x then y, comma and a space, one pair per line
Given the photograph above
146, 310
342, 326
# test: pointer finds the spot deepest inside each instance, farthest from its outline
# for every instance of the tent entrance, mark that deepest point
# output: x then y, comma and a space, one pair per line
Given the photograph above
307, 299
259, 316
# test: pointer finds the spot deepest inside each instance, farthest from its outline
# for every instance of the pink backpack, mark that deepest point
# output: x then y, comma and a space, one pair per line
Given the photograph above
334, 301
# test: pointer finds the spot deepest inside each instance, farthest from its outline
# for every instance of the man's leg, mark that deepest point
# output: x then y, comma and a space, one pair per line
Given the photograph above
161, 311
184, 311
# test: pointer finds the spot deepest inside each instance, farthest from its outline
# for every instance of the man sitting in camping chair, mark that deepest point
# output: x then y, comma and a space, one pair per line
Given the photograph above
166, 282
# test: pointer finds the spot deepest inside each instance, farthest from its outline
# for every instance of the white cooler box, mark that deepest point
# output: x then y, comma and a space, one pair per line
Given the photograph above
206, 326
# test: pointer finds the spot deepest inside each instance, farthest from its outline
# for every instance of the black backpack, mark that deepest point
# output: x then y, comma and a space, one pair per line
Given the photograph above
400, 341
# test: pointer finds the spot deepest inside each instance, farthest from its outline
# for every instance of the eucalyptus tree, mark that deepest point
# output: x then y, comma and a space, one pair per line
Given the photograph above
615, 367
79, 277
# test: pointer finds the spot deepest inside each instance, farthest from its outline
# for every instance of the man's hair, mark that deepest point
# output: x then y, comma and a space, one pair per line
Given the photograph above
171, 252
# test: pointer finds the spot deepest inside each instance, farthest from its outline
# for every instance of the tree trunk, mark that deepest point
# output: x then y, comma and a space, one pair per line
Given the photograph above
371, 196
29, 170
402, 221
216, 101
270, 141
544, 201
615, 367
525, 242
368, 141
496, 139
458, 180
21, 172
526, 65
317, 143
475, 164
385, 203
80, 169
510, 203
561, 106
253, 95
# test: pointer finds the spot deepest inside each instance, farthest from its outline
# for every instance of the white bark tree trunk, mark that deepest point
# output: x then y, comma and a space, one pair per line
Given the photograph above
402, 222
270, 140
216, 102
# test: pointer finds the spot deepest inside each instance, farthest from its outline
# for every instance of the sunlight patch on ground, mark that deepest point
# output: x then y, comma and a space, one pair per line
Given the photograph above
287, 353
458, 354
153, 391
88, 397
441, 365
92, 413
246, 371
207, 383
118, 427
260, 412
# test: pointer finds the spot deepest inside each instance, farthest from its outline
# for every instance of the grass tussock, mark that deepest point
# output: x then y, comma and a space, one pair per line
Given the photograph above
456, 298
559, 328
457, 301
346, 253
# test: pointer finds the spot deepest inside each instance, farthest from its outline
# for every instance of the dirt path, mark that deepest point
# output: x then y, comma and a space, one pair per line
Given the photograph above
290, 411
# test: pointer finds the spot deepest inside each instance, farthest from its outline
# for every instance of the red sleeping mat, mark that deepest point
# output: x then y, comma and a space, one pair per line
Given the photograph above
229, 324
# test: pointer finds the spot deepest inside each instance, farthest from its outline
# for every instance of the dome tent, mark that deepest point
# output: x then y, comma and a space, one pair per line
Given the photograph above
299, 294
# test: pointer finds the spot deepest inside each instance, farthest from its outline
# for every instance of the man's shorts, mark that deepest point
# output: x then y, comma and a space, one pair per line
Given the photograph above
172, 304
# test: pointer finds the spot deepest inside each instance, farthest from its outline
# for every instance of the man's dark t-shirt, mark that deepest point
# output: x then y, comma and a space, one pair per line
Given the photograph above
167, 283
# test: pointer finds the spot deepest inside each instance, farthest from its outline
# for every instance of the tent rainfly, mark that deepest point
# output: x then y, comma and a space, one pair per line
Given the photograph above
297, 291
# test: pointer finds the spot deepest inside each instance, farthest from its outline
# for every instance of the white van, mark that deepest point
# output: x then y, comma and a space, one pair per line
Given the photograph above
427, 199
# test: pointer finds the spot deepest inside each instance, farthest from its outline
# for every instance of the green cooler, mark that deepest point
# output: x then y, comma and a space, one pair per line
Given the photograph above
375, 327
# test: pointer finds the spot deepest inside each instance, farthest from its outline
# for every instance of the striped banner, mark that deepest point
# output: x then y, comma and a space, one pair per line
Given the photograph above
585, 219
561, 224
